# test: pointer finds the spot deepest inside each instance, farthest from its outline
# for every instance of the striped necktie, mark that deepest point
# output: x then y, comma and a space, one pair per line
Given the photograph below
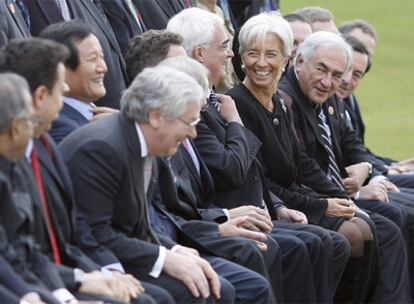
64, 9
213, 100
333, 170
25, 12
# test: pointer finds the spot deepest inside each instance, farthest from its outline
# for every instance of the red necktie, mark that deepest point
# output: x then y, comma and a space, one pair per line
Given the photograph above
51, 232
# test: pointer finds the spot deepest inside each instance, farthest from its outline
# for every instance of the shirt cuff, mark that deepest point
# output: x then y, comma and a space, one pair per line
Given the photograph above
113, 267
159, 263
377, 178
227, 213
63, 295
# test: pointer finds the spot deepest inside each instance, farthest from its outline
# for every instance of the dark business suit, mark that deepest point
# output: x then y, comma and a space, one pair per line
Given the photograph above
154, 16
236, 249
110, 191
18, 216
349, 150
45, 12
351, 106
68, 121
122, 22
12, 24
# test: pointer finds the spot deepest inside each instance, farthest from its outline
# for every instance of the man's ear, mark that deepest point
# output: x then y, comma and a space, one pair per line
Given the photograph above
299, 62
155, 118
15, 129
39, 96
198, 54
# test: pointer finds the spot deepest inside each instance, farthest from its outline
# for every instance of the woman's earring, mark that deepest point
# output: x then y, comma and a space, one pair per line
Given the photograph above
243, 67
283, 69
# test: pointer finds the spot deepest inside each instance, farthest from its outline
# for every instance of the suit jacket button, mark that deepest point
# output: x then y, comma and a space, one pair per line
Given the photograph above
276, 122
255, 178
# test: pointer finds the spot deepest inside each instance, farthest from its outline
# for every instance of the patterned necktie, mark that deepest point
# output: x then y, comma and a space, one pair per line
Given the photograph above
64, 9
25, 12
213, 100
333, 170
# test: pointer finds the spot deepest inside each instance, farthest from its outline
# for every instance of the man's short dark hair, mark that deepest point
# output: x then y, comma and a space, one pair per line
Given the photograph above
348, 26
296, 17
149, 49
359, 47
36, 59
68, 33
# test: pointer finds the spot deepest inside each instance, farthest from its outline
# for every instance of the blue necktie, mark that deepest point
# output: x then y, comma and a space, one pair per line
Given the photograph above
25, 12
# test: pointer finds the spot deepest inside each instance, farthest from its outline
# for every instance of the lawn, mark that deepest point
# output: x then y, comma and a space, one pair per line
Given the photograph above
386, 95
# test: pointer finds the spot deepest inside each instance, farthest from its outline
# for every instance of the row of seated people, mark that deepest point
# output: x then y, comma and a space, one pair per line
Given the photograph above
249, 161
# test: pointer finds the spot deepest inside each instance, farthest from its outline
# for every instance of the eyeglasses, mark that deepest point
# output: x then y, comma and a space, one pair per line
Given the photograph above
191, 124
33, 119
225, 46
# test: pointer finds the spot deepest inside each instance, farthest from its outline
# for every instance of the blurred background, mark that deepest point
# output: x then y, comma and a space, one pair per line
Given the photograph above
386, 94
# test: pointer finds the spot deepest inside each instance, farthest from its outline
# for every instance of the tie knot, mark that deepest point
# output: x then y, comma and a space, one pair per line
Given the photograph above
213, 100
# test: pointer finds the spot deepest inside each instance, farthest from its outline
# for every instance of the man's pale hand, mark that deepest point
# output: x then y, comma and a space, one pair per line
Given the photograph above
340, 207
374, 191
228, 109
258, 219
291, 215
194, 272
235, 227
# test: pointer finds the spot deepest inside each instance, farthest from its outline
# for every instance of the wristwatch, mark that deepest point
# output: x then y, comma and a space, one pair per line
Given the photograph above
369, 169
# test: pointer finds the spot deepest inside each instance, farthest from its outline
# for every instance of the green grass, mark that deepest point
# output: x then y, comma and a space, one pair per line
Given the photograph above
386, 95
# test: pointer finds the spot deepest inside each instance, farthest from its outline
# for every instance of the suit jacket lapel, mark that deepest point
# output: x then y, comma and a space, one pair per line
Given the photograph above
18, 18
137, 175
75, 115
305, 105
47, 163
50, 10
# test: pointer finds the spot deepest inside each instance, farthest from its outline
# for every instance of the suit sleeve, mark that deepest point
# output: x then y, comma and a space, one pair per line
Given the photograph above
96, 188
11, 280
230, 160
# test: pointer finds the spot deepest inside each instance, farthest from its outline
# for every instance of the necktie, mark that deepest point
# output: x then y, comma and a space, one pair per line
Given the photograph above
333, 170
213, 100
25, 12
64, 9
191, 153
148, 173
49, 224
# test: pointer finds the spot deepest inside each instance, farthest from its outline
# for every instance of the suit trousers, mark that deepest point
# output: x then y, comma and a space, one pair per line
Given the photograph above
402, 180
298, 283
393, 284
158, 294
329, 252
249, 287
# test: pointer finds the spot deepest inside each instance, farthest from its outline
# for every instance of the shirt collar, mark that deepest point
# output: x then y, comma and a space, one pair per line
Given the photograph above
142, 142
82, 107
29, 149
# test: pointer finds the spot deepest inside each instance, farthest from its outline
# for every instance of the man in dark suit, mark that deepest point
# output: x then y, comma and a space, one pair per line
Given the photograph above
48, 184
20, 277
321, 61
144, 129
85, 71
12, 24
45, 12
395, 171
